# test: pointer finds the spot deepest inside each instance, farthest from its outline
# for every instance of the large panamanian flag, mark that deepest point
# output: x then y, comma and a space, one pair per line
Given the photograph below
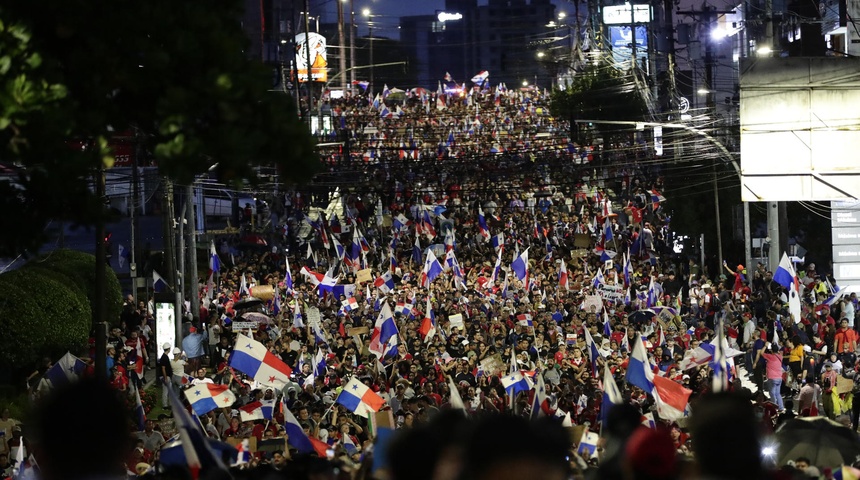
359, 399
253, 359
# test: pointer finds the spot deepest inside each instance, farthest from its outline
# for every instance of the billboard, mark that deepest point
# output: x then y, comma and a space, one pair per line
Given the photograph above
799, 129
165, 324
621, 39
845, 220
317, 45
626, 14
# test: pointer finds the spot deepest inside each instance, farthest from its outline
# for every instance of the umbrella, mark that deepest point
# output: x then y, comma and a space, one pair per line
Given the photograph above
824, 442
664, 311
257, 317
246, 303
640, 316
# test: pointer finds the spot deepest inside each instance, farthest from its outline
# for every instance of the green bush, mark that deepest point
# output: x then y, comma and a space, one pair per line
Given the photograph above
79, 267
40, 315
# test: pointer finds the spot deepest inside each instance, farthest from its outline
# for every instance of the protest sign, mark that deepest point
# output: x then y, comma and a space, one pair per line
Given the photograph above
612, 293
493, 365
592, 303
313, 315
456, 321
237, 326
363, 276
357, 331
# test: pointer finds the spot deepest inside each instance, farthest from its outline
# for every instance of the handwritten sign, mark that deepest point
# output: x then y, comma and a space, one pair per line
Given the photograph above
610, 292
244, 326
313, 314
493, 365
363, 276
456, 321
357, 331
592, 303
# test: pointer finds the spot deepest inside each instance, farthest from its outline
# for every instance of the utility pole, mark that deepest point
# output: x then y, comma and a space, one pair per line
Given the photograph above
135, 196
101, 264
352, 40
370, 36
170, 257
774, 254
747, 243
708, 15
191, 242
719, 224
309, 83
180, 274
341, 43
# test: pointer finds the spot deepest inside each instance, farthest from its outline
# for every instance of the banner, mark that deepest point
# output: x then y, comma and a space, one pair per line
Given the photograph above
319, 73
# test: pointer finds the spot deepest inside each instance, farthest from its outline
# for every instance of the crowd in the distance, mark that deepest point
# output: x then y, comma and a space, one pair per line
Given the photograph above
600, 266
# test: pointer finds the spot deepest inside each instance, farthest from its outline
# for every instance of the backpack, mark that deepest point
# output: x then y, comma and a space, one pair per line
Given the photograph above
716, 304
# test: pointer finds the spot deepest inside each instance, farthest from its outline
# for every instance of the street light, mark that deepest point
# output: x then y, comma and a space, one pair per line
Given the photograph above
541, 54
366, 13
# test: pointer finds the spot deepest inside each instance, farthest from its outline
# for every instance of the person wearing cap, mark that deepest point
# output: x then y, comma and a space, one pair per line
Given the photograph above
165, 373
178, 365
194, 346
739, 274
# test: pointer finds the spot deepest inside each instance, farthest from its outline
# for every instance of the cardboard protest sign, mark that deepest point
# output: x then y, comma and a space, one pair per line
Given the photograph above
592, 301
363, 276
456, 321
493, 365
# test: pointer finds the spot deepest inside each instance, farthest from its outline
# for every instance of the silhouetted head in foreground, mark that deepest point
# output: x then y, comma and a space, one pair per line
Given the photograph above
504, 447
725, 437
81, 431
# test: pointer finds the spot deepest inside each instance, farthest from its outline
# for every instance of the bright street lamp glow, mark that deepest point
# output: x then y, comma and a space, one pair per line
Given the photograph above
366, 12
561, 15
525, 83
703, 91
540, 54
764, 51
719, 33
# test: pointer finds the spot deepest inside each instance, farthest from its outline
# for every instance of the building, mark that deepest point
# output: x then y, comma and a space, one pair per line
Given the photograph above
503, 37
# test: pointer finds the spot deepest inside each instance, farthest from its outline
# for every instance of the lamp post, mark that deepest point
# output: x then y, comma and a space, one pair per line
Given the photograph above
352, 39
366, 13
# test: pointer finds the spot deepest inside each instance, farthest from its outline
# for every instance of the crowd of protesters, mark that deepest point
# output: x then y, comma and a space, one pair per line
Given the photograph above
482, 180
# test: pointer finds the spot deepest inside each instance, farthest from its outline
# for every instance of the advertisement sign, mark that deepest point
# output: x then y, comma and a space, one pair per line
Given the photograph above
622, 37
625, 14
165, 324
846, 273
846, 236
318, 57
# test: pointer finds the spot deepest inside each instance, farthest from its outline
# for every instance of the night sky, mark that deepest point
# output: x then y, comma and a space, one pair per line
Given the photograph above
391, 11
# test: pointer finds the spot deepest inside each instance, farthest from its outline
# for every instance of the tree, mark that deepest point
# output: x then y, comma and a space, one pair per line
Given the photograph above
78, 270
41, 315
73, 73
599, 92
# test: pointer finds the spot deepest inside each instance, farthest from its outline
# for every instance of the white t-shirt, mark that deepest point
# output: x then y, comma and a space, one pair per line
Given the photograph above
848, 313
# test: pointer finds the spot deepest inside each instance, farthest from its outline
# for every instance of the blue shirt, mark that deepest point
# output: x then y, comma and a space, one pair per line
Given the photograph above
193, 345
